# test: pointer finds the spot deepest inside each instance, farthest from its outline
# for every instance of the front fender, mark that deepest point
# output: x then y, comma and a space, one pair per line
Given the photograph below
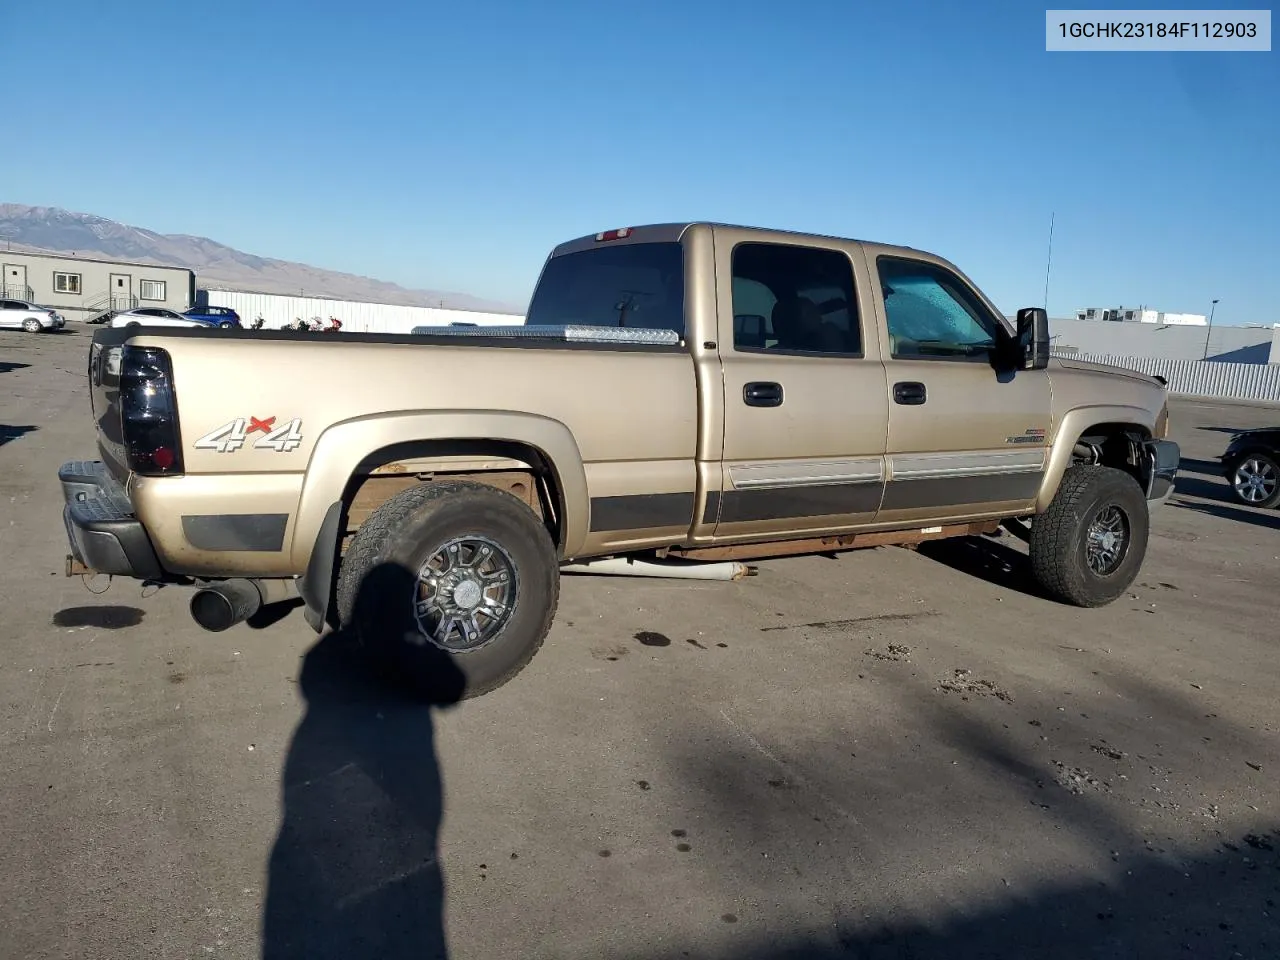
1075, 423
345, 445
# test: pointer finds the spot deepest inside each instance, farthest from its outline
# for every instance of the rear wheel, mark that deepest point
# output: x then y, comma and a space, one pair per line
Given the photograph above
31, 325
1255, 480
453, 586
1087, 548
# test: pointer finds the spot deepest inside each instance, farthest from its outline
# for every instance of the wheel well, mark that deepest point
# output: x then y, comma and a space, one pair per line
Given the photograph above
1116, 445
521, 470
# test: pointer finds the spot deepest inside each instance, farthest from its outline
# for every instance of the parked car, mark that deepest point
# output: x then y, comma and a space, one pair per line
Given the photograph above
217, 316
1251, 464
31, 317
156, 317
689, 391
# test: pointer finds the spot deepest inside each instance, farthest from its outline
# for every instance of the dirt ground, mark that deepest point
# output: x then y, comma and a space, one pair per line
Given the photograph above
888, 754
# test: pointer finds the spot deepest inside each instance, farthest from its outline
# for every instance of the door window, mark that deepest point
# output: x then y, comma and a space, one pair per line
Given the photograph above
794, 299
931, 314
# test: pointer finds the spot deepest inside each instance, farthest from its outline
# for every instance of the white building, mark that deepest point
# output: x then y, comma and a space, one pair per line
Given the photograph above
1142, 315
79, 287
278, 311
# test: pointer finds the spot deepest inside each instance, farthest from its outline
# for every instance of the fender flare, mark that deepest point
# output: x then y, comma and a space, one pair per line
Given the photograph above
344, 446
1074, 424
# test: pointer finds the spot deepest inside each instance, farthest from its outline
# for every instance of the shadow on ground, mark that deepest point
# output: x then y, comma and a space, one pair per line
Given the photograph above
355, 869
992, 559
1269, 519
841, 843
7, 366
1208, 468
1217, 904
273, 613
1228, 430
1196, 486
9, 432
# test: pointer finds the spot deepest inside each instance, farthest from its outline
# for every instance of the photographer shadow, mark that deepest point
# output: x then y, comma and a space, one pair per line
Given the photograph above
355, 868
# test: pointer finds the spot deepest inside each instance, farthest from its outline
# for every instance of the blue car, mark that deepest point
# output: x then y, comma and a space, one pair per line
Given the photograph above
214, 316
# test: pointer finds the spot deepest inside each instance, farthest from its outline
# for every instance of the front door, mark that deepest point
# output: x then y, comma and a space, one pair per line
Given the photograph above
121, 288
966, 439
15, 281
804, 391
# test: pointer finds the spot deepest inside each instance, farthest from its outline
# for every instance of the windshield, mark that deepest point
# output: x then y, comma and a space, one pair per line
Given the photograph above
631, 285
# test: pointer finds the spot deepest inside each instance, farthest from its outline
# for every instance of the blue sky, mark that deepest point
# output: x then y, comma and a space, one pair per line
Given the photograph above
451, 146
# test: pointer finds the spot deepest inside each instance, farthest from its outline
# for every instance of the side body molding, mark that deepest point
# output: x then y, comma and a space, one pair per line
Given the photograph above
343, 447
1074, 424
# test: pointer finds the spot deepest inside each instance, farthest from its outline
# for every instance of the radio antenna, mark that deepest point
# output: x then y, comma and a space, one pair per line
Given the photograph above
1048, 264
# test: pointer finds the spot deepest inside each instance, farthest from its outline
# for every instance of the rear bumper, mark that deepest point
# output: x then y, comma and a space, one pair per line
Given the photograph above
1165, 456
102, 530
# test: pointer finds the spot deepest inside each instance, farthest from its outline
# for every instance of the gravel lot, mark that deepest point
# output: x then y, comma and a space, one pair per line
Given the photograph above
888, 754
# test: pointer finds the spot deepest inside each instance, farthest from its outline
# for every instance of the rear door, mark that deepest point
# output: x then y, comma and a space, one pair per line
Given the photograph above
804, 391
11, 313
15, 281
120, 287
966, 438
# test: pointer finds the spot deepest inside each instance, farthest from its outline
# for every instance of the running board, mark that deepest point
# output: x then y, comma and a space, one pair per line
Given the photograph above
852, 541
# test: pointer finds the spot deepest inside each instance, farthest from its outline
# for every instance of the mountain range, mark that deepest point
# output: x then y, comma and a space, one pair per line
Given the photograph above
216, 265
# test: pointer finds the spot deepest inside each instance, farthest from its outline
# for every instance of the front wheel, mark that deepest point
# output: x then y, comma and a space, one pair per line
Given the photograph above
1087, 548
1255, 480
453, 586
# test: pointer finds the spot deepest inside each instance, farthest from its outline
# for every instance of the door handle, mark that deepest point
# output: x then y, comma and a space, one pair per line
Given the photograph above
762, 394
910, 393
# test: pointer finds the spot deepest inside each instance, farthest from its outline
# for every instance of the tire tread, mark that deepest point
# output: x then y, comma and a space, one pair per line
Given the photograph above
1055, 533
378, 532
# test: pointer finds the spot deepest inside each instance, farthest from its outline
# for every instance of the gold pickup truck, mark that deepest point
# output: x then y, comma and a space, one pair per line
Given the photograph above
679, 392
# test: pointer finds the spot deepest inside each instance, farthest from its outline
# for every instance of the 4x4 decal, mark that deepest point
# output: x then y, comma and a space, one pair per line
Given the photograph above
234, 435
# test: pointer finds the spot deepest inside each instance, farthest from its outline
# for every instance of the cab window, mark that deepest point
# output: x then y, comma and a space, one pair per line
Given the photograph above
794, 299
931, 314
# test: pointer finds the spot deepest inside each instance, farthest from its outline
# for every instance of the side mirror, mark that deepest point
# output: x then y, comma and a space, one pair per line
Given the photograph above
1033, 338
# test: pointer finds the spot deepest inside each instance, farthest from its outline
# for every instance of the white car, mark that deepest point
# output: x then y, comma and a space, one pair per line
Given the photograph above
154, 317
20, 314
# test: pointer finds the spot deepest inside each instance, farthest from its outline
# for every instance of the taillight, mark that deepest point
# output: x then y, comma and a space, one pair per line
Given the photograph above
149, 413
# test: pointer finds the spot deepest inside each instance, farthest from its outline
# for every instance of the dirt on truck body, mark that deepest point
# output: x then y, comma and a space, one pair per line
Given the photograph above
680, 390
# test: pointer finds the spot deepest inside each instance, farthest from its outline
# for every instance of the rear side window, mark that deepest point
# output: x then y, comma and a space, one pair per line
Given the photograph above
794, 299
629, 285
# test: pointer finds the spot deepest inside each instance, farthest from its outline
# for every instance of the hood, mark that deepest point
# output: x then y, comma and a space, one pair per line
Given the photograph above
1089, 366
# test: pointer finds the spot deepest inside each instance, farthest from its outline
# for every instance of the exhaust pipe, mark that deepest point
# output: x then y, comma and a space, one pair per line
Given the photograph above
223, 605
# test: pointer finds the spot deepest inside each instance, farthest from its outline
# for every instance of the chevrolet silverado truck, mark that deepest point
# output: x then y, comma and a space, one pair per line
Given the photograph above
679, 392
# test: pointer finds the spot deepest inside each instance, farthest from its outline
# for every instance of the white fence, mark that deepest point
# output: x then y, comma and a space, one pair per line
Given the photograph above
357, 317
1201, 378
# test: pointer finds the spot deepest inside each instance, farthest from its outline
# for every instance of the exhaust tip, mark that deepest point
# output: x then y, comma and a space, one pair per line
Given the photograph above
222, 607
212, 611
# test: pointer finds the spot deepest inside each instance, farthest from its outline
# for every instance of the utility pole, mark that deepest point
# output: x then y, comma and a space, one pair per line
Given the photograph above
1208, 333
